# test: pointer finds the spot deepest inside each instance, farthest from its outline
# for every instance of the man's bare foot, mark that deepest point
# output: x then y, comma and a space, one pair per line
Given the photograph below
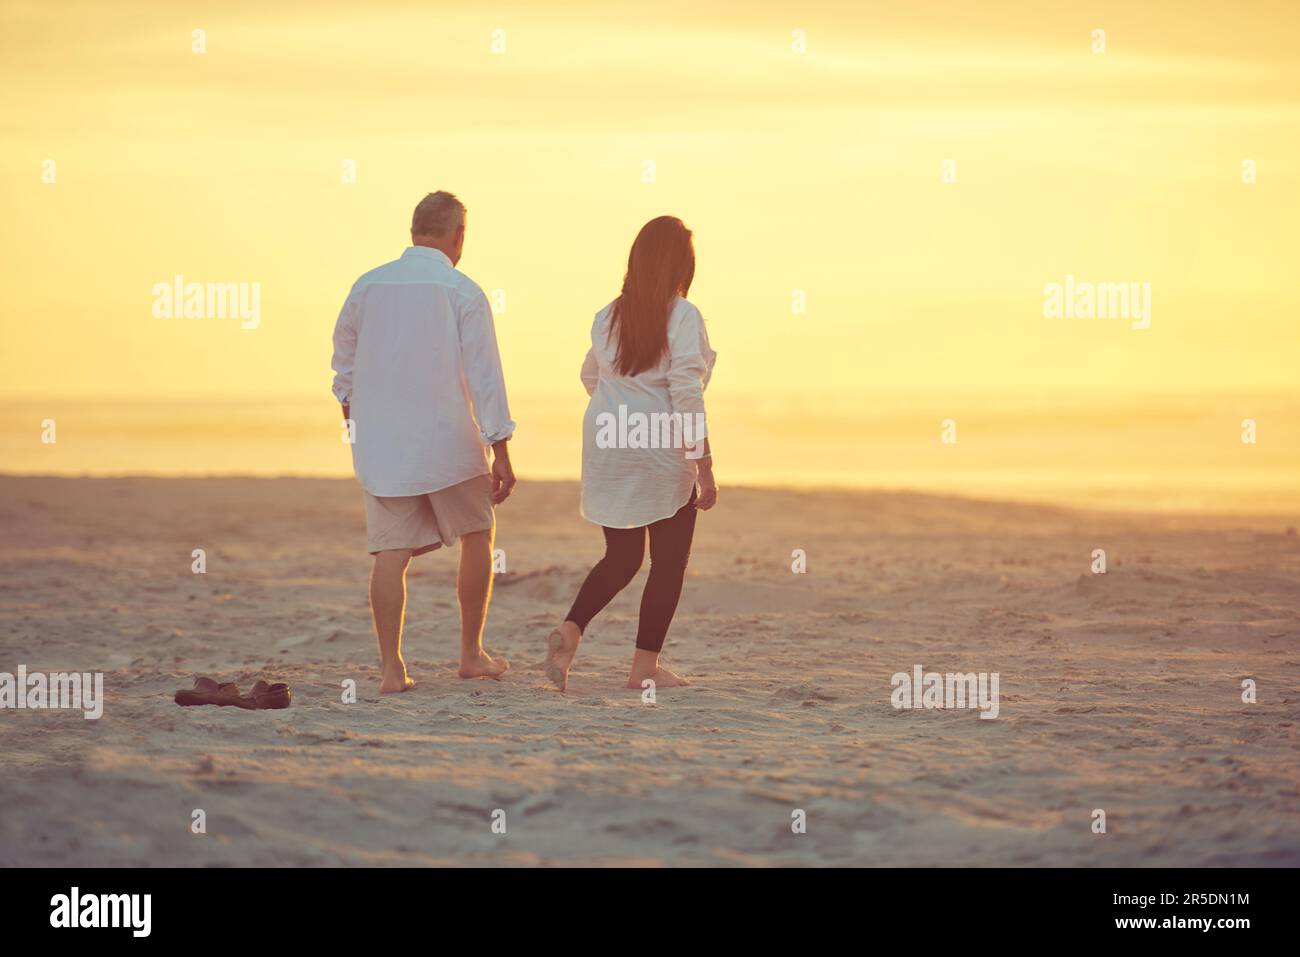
483, 666
561, 646
645, 664
395, 682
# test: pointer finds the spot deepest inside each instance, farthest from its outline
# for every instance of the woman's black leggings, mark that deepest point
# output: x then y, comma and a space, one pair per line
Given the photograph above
670, 548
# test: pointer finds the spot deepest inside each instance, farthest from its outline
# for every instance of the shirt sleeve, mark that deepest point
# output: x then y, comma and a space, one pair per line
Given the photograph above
481, 361
590, 371
690, 365
345, 348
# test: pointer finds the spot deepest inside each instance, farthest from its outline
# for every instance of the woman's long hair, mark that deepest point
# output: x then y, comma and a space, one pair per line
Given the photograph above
660, 267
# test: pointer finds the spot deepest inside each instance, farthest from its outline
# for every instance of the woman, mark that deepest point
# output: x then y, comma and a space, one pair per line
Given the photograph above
646, 464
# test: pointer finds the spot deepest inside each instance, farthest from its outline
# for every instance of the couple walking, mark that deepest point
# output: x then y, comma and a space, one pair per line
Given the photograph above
418, 373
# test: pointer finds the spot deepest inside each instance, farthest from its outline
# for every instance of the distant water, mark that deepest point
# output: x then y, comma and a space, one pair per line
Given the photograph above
1127, 453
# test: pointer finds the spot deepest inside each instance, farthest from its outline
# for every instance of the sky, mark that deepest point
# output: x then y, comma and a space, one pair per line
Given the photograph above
805, 144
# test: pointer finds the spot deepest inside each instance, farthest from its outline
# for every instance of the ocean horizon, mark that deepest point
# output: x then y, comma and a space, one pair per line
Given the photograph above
1129, 453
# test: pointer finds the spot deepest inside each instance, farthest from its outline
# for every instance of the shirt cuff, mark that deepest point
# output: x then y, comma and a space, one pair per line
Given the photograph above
498, 435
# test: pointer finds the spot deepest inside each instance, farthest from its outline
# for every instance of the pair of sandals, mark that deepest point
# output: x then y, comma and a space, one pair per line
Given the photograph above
263, 696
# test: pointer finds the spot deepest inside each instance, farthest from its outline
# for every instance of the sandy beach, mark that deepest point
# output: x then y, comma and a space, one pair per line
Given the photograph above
1120, 692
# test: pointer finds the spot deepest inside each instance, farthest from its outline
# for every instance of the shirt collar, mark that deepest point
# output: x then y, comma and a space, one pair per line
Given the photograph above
426, 252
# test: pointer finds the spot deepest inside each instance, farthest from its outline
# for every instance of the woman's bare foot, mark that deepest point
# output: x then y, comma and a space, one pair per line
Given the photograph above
394, 679
483, 666
663, 678
645, 664
561, 646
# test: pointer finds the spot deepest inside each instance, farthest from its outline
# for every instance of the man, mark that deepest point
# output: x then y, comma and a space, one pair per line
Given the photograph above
419, 377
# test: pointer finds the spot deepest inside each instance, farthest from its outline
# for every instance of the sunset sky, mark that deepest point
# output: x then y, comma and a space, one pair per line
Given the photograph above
818, 171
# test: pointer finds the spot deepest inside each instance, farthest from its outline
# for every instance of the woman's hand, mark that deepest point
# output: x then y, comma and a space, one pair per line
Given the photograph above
708, 496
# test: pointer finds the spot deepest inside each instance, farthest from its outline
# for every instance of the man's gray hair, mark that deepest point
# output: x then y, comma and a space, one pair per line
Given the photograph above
438, 214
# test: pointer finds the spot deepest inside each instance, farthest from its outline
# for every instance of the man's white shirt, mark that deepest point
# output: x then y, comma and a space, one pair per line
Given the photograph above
416, 360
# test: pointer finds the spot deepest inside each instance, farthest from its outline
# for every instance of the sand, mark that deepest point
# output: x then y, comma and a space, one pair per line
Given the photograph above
1119, 692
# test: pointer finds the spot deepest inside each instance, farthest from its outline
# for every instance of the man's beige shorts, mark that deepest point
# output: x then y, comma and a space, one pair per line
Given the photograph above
424, 522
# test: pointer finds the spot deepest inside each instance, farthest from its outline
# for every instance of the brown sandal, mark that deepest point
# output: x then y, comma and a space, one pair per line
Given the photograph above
271, 696
207, 691
263, 695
